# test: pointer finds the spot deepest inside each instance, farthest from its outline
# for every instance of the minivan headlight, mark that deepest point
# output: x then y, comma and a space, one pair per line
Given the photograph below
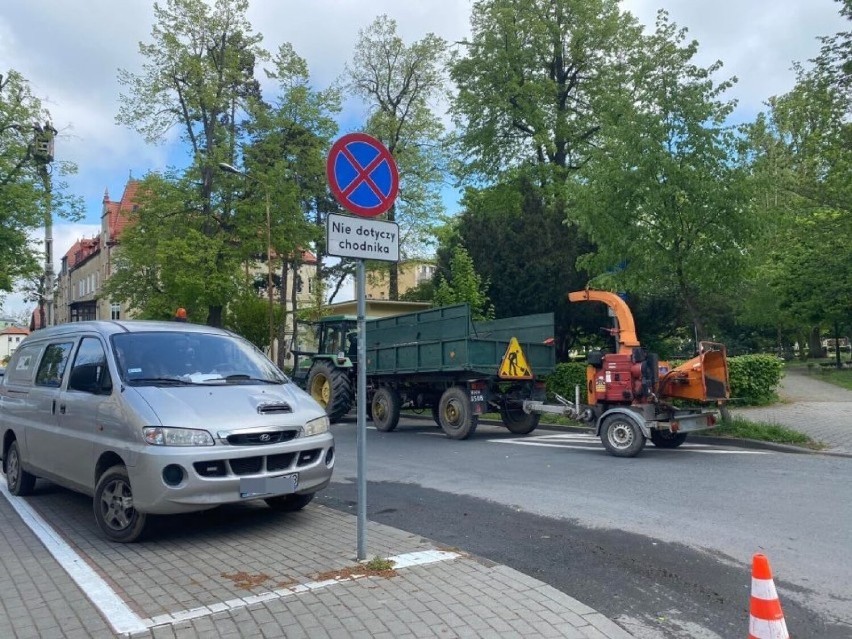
163, 436
316, 426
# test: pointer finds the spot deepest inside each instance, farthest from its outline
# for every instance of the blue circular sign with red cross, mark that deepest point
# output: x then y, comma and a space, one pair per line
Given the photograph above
362, 174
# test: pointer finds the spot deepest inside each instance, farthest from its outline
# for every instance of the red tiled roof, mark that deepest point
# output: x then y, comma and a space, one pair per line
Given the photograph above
81, 250
119, 212
14, 330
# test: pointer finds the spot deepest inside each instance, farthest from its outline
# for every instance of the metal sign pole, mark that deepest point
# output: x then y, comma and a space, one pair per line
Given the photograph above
361, 437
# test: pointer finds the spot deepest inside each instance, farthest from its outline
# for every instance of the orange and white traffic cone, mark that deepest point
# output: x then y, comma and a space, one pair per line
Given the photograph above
766, 621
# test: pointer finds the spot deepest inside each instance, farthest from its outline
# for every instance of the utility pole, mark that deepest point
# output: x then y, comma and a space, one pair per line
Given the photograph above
43, 147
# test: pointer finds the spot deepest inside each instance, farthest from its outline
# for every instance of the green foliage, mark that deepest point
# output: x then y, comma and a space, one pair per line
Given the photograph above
565, 378
662, 196
248, 315
464, 286
399, 83
29, 186
755, 378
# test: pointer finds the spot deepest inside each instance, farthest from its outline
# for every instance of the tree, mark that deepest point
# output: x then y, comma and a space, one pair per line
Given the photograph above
27, 189
662, 196
534, 83
802, 159
525, 252
399, 84
198, 77
464, 286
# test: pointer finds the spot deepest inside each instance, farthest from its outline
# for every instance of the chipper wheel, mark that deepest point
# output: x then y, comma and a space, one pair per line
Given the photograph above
332, 388
667, 439
455, 414
621, 436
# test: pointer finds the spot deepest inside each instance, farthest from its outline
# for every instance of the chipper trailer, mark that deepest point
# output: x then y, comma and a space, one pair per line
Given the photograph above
631, 393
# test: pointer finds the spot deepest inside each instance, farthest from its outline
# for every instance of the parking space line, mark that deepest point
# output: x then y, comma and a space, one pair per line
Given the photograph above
592, 444
126, 622
406, 560
113, 608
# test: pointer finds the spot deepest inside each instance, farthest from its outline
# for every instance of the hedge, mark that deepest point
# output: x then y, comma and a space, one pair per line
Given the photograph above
754, 379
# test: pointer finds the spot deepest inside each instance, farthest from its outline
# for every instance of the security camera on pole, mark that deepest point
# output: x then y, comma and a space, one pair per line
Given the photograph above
363, 176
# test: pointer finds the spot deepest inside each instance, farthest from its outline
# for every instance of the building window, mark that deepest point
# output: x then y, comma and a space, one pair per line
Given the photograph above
115, 311
310, 285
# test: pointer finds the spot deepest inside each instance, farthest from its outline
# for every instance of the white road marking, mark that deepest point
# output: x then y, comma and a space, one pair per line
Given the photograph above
590, 441
117, 613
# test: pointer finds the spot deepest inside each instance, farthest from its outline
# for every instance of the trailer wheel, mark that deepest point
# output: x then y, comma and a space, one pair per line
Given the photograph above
331, 387
385, 407
667, 439
436, 415
455, 414
621, 436
517, 421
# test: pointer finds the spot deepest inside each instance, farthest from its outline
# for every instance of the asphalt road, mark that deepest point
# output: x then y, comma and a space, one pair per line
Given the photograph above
661, 543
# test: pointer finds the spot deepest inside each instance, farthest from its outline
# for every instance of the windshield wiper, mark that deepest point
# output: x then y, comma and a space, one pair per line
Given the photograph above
249, 378
172, 381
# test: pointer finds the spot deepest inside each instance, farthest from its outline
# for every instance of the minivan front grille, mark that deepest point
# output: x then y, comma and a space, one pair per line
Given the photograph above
254, 465
259, 439
246, 465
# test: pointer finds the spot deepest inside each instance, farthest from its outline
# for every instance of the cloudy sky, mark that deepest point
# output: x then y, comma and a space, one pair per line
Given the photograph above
70, 52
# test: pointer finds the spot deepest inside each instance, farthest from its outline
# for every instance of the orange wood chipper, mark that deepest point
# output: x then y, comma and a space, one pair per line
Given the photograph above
631, 392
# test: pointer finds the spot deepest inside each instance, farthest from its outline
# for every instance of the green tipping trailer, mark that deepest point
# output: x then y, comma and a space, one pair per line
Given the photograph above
438, 359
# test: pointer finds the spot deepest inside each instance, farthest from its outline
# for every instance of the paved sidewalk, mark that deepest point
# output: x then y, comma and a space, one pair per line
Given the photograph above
250, 572
808, 405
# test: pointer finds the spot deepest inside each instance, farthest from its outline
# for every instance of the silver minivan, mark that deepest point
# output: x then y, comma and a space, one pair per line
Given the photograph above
158, 418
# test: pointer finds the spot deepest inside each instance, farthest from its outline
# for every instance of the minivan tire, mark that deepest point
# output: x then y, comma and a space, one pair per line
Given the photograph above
21, 483
118, 521
289, 503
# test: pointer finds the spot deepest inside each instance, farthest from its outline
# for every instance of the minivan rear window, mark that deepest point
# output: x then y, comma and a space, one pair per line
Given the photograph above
21, 369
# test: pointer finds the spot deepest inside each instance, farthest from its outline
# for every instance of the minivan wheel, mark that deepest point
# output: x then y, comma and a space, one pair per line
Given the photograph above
290, 503
21, 483
114, 511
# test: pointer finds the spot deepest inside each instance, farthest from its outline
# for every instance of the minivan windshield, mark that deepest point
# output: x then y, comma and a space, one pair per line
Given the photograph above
183, 358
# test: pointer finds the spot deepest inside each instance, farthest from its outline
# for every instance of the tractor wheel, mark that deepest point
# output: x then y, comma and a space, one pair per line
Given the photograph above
621, 436
385, 409
455, 413
667, 439
436, 415
332, 388
517, 421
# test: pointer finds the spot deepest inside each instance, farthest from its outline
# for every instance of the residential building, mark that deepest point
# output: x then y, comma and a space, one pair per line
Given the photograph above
89, 263
10, 338
411, 274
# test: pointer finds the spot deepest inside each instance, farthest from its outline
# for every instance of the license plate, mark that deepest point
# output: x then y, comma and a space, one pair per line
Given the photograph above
259, 486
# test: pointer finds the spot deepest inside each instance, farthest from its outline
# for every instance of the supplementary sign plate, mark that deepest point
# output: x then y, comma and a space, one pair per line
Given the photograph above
348, 236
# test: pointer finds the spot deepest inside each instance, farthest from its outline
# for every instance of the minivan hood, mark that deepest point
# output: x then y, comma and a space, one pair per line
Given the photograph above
230, 406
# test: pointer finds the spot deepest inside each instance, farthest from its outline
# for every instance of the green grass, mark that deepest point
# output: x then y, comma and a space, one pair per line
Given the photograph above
740, 428
823, 370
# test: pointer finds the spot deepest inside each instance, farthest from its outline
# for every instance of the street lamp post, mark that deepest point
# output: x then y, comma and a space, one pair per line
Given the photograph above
42, 151
232, 169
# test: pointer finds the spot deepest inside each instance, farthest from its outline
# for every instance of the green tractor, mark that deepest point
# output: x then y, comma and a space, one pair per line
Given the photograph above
329, 373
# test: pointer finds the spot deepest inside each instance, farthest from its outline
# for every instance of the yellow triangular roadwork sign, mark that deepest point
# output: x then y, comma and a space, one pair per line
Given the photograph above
515, 365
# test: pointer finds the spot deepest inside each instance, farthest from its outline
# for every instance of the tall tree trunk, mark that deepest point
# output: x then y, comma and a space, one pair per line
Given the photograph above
837, 345
294, 295
214, 316
814, 345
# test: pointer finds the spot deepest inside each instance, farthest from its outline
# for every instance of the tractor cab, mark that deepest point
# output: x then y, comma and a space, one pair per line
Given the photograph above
325, 362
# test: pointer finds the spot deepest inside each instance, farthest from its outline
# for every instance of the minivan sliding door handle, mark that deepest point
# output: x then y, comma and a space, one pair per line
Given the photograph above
62, 408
